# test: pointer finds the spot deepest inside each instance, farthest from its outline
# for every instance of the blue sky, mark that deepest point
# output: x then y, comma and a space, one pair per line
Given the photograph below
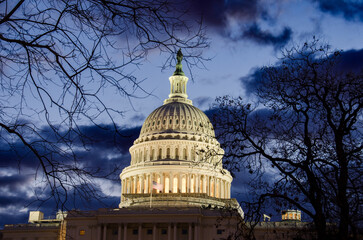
244, 35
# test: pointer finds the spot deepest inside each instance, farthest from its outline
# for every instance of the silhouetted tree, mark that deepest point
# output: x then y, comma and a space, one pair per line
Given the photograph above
57, 58
302, 141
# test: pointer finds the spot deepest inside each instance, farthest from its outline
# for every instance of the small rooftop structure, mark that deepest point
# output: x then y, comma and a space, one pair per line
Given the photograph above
291, 215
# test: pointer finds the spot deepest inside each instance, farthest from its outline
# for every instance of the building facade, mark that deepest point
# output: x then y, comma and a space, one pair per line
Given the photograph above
175, 186
174, 189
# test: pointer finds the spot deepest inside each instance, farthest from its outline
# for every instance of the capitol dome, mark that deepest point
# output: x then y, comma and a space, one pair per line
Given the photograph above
176, 160
179, 118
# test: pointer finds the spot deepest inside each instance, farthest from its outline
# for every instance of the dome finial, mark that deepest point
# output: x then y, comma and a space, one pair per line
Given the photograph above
178, 68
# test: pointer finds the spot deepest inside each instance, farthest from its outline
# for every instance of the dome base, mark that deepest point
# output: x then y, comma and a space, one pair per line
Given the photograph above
178, 200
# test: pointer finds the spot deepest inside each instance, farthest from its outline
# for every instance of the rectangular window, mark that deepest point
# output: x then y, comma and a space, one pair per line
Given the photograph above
164, 231
149, 231
82, 232
184, 231
135, 232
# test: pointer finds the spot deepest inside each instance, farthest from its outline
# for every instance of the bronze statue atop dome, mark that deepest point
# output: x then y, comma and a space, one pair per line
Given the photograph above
178, 68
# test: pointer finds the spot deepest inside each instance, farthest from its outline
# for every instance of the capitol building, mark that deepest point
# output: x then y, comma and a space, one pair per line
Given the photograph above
176, 157
174, 189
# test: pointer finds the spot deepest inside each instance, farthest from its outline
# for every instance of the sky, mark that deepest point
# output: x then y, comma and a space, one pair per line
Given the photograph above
244, 35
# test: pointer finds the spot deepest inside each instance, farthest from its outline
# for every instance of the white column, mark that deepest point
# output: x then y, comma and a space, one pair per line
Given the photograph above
171, 182
222, 188
147, 183
179, 183
208, 184
162, 181
134, 187
119, 232
229, 190
104, 232
151, 182
190, 232
188, 183
125, 231
215, 187
197, 180
142, 190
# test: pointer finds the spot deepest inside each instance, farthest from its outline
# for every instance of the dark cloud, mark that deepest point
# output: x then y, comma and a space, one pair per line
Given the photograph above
105, 149
252, 81
13, 181
106, 137
351, 61
246, 15
349, 9
264, 37
215, 12
348, 62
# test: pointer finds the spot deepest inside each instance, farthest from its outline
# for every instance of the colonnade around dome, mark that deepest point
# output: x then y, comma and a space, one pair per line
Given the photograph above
177, 182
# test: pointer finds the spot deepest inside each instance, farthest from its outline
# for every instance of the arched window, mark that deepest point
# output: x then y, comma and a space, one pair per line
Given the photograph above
185, 154
176, 153
168, 153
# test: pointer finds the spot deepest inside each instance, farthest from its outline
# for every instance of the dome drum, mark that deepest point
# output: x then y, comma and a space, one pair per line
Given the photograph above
175, 150
175, 182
